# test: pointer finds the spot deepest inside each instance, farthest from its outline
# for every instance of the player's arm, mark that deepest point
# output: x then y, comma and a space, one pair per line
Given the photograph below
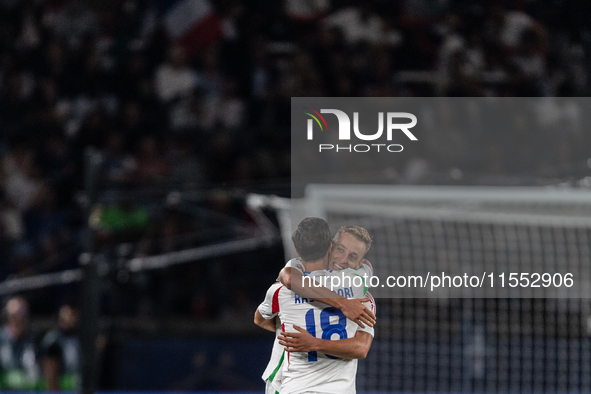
267, 324
302, 341
267, 311
353, 309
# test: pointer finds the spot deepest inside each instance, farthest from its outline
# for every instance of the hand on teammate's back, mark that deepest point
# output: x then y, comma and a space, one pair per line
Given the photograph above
301, 341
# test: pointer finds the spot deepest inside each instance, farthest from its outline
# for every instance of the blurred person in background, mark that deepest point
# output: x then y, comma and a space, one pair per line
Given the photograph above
175, 80
61, 352
19, 368
152, 165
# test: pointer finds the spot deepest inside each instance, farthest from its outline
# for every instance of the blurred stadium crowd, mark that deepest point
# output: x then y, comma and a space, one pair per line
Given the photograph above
107, 74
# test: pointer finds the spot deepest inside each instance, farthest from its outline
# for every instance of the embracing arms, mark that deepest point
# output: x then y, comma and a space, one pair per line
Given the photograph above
267, 324
302, 341
353, 309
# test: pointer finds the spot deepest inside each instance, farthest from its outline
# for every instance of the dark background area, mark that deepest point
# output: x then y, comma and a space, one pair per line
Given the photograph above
214, 117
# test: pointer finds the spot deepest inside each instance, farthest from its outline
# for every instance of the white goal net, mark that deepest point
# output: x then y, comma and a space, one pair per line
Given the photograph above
500, 342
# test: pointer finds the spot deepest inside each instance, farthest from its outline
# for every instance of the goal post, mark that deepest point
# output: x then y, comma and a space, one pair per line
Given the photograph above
501, 341
484, 231
570, 202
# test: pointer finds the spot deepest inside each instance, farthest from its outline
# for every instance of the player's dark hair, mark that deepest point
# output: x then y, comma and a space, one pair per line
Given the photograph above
312, 239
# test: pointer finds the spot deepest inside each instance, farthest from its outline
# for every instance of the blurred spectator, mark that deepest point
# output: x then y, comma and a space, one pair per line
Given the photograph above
306, 10
72, 21
151, 163
190, 116
529, 65
231, 107
175, 79
304, 17
19, 369
512, 24
61, 352
11, 222
211, 84
361, 24
134, 122
58, 162
118, 166
186, 165
21, 178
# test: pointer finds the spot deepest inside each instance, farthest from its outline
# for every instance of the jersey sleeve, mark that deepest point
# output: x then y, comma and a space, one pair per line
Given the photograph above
364, 269
359, 278
297, 264
371, 305
269, 308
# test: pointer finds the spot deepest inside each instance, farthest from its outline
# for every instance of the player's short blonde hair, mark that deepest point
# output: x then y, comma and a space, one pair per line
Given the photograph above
358, 232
